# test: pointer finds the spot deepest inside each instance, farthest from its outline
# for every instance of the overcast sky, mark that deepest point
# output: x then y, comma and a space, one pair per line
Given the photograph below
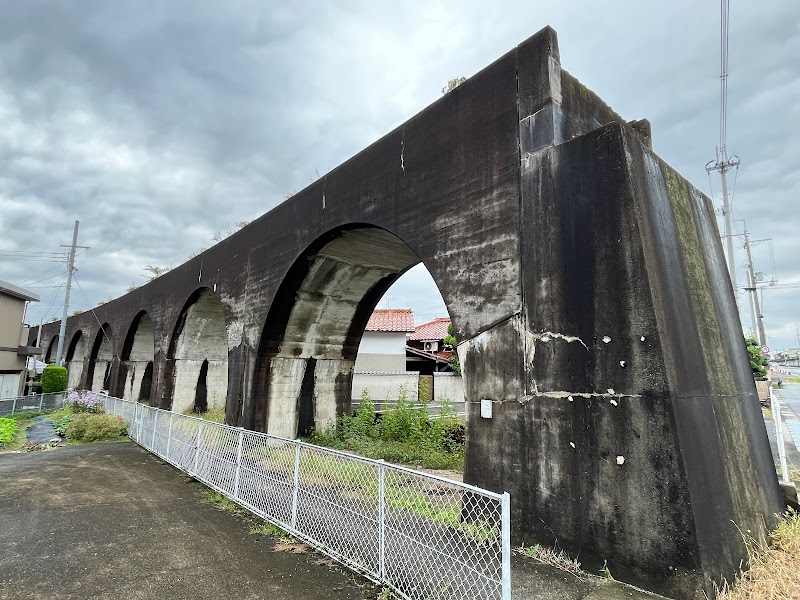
157, 124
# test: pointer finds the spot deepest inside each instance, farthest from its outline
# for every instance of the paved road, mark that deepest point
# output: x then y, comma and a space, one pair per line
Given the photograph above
110, 521
789, 397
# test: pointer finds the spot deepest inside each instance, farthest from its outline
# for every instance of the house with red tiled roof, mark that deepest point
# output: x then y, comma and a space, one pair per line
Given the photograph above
426, 351
383, 345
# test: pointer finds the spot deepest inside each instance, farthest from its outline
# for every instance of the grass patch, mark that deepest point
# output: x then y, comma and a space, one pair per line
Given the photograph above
793, 379
270, 529
405, 434
222, 502
773, 569
216, 415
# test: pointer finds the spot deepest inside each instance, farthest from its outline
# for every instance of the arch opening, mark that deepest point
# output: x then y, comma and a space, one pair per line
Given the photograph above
138, 353
146, 388
303, 373
199, 346
50, 355
101, 359
76, 356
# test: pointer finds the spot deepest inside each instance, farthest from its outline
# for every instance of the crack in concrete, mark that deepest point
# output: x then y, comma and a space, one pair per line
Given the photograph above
571, 395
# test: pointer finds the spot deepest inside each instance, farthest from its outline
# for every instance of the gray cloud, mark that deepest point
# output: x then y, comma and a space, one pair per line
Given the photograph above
158, 123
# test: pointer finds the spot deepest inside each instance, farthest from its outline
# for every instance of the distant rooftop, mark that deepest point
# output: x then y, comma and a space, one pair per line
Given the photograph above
391, 319
13, 290
432, 330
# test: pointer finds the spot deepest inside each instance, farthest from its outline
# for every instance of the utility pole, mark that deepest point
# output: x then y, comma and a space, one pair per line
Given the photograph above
70, 269
755, 309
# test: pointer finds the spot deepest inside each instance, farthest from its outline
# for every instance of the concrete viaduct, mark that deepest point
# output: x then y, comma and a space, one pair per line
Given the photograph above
583, 274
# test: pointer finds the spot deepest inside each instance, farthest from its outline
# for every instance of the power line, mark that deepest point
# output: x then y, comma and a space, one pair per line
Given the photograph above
78, 283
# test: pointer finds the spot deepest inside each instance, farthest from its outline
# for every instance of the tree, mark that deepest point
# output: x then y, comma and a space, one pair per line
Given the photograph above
758, 361
453, 84
450, 340
155, 271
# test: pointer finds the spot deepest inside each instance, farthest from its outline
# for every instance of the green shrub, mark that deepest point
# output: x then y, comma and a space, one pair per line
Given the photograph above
403, 434
90, 427
62, 424
758, 361
8, 427
54, 379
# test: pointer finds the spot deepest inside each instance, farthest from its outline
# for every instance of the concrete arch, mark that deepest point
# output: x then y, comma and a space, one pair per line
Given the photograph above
50, 355
101, 360
136, 360
75, 358
196, 374
304, 366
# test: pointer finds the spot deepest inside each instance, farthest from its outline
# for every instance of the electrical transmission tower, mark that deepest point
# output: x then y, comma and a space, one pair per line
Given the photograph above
723, 164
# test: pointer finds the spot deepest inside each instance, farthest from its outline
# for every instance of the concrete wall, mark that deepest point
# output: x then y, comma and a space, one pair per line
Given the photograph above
448, 386
386, 387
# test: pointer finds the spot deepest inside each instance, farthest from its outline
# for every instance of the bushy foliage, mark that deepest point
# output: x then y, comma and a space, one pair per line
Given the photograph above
403, 434
8, 427
54, 379
93, 427
450, 340
90, 402
758, 361
62, 423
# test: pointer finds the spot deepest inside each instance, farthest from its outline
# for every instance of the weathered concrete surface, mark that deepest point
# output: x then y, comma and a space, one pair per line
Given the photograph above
584, 277
111, 521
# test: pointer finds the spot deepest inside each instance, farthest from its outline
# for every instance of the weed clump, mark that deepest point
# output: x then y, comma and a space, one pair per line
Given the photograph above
773, 568
93, 427
405, 433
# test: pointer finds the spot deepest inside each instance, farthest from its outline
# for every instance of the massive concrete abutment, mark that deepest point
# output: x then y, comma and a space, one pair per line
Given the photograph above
584, 276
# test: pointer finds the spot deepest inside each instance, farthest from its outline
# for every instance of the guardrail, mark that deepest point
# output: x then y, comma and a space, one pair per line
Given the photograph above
775, 406
423, 536
32, 403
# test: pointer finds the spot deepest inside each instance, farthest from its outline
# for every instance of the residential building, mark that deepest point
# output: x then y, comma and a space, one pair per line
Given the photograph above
14, 350
426, 351
383, 345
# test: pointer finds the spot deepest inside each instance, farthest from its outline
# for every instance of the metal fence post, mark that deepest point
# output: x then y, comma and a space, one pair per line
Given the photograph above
296, 485
14, 406
381, 522
169, 433
41, 402
155, 425
135, 427
238, 465
197, 448
506, 544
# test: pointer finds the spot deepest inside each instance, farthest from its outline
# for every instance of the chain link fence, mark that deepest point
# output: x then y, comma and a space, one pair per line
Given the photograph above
423, 536
32, 403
